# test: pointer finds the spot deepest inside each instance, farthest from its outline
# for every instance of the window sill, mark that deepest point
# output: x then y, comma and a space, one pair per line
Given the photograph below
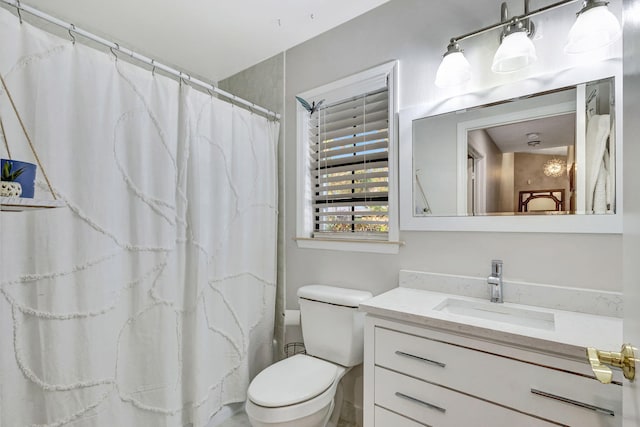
381, 247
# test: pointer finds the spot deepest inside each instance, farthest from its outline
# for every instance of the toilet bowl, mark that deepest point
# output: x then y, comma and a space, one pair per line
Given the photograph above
305, 390
295, 392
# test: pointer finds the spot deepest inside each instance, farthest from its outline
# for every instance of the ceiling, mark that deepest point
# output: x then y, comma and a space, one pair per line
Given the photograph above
211, 39
555, 133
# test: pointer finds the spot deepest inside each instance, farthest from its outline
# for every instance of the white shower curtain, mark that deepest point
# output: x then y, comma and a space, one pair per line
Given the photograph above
149, 300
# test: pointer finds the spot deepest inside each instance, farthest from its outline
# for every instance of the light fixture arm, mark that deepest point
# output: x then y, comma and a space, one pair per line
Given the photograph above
517, 23
527, 23
504, 12
523, 17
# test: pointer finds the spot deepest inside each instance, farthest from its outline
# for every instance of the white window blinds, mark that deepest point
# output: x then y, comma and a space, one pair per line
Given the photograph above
349, 150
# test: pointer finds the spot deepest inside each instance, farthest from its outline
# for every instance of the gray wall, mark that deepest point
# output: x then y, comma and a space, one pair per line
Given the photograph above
416, 33
528, 173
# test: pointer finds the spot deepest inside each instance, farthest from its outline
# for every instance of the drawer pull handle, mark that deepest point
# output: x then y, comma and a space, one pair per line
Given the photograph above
422, 359
420, 402
574, 402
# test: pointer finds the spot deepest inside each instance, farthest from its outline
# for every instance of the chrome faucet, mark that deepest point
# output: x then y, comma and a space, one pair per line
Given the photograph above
495, 281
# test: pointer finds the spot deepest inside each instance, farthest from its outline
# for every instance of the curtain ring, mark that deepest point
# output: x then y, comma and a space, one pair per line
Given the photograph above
117, 48
73, 39
18, 8
153, 67
210, 92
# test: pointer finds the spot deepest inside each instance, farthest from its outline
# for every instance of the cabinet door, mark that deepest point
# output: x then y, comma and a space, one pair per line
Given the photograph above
436, 406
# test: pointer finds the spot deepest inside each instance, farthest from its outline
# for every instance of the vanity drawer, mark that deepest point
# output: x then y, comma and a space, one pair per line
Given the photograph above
556, 395
440, 407
384, 418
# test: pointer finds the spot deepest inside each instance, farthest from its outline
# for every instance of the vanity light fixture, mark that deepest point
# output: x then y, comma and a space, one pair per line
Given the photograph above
594, 28
516, 49
515, 52
454, 69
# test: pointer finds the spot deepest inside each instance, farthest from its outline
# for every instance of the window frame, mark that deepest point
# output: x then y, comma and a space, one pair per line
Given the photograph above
354, 85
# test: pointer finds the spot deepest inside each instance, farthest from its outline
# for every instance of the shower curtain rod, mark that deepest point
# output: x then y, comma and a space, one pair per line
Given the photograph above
141, 58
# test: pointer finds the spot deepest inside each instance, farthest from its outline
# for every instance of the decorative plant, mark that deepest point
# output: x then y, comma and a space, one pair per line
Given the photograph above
8, 174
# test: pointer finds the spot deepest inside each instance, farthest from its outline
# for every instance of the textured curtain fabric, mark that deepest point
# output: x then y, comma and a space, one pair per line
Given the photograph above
149, 299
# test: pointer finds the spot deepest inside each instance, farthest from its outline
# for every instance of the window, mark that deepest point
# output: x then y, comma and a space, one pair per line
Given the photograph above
346, 153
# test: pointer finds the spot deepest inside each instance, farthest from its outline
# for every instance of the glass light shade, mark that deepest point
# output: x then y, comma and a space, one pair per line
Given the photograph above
515, 52
454, 70
594, 28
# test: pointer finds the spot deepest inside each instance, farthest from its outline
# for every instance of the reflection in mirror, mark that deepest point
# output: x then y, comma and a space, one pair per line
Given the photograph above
550, 153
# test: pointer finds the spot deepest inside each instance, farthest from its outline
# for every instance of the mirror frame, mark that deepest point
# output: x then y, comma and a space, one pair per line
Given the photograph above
579, 223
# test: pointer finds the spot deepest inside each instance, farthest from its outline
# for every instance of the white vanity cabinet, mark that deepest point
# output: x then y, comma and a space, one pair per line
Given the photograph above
416, 376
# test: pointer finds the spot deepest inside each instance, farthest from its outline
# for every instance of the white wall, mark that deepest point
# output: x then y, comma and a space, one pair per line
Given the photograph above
416, 32
436, 163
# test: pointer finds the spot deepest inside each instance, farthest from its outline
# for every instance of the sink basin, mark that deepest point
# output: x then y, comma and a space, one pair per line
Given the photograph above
498, 313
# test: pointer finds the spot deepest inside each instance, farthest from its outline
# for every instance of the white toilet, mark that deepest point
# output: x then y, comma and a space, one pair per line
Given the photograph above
304, 390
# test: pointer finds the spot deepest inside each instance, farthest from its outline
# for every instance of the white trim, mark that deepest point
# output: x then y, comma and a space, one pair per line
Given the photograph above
479, 182
371, 79
381, 247
353, 85
581, 144
609, 224
394, 217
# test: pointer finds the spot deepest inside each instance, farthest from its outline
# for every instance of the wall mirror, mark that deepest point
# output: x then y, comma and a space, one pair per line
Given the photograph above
543, 161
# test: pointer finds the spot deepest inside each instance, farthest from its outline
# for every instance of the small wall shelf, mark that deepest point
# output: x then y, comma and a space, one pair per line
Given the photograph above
18, 204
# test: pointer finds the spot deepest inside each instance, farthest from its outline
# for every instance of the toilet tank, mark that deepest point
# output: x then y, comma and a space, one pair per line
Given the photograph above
332, 326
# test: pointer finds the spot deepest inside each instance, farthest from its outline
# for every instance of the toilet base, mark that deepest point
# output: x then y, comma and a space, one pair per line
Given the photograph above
317, 419
334, 416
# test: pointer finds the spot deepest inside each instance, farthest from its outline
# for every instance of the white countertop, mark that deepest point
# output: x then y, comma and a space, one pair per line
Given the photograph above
572, 332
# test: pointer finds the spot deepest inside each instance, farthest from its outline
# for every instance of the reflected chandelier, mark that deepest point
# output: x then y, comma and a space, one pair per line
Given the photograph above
554, 168
595, 27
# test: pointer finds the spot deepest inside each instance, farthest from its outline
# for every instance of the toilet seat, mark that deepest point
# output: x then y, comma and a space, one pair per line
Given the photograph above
292, 381
292, 388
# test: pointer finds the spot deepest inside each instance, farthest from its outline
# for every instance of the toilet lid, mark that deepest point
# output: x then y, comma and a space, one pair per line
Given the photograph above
292, 381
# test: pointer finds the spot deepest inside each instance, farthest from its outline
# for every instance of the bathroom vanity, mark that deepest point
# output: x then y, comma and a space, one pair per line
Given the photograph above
449, 359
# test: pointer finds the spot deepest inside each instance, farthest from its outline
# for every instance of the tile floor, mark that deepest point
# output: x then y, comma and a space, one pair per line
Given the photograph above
241, 420
238, 420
